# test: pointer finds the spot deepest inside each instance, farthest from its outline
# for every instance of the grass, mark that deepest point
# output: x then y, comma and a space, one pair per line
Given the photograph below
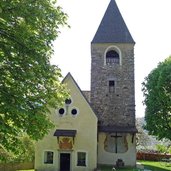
156, 166
151, 165
109, 168
27, 170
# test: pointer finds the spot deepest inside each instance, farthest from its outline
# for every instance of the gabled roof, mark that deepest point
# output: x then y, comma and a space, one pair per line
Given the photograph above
112, 28
81, 92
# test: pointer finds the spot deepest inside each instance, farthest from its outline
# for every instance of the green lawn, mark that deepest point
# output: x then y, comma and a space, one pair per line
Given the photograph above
151, 165
26, 170
109, 168
156, 166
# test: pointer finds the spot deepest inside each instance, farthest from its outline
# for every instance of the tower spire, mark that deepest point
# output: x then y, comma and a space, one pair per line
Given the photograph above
112, 28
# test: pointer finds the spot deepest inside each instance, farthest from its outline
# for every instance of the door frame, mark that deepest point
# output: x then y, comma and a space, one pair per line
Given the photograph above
65, 152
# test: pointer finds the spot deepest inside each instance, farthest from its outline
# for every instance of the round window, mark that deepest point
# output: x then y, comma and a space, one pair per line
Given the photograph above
61, 111
68, 101
74, 111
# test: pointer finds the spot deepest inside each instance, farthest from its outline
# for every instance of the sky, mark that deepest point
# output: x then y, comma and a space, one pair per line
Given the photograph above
149, 22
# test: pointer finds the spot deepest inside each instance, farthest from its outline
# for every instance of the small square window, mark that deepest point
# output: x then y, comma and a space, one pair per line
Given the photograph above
48, 157
111, 86
81, 159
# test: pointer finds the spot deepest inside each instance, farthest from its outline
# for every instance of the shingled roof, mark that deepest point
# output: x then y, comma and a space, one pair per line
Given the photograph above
112, 28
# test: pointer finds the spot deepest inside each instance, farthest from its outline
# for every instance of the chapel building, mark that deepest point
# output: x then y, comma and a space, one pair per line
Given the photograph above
97, 127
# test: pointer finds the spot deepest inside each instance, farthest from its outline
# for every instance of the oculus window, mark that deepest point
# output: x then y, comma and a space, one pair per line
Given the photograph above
74, 111
68, 101
61, 111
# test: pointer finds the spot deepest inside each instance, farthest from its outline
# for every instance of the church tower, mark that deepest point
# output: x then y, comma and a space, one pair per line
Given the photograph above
112, 87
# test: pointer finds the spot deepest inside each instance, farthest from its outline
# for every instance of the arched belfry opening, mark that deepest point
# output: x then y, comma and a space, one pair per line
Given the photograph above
112, 57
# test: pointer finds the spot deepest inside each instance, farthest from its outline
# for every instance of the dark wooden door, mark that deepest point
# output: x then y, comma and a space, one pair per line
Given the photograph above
65, 162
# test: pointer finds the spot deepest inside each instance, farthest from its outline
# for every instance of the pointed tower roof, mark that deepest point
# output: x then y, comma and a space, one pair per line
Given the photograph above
112, 28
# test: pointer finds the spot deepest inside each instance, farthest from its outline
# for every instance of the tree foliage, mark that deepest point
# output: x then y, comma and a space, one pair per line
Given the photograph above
29, 84
157, 92
24, 154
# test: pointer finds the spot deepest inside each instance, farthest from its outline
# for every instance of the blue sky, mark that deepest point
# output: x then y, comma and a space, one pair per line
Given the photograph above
147, 20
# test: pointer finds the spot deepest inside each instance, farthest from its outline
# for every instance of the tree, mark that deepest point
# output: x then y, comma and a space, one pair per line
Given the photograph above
29, 84
157, 92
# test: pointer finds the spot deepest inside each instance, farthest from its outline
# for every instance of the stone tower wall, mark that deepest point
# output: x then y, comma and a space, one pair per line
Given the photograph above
116, 108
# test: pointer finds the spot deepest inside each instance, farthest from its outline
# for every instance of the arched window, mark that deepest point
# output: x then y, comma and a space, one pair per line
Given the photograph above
112, 57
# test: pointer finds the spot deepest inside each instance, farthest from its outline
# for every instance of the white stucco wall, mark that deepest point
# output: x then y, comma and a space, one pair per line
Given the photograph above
108, 158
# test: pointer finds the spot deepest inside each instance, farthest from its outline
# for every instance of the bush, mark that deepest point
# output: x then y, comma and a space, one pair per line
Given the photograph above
162, 148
